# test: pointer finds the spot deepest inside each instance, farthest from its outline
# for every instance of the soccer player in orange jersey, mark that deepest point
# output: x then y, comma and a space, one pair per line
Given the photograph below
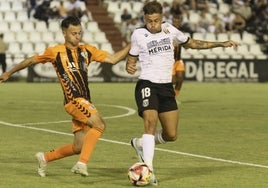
70, 61
178, 71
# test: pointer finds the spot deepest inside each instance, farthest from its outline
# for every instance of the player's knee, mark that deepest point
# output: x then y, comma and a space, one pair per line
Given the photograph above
100, 126
170, 138
77, 148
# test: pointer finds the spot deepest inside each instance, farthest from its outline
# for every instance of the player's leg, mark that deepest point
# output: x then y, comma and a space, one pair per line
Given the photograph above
44, 158
85, 112
67, 150
89, 142
168, 116
147, 102
169, 122
178, 76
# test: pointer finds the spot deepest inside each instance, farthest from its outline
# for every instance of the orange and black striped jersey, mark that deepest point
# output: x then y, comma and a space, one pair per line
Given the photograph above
71, 66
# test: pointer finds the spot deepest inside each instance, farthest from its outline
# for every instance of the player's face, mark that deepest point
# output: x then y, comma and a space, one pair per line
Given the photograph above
153, 22
73, 35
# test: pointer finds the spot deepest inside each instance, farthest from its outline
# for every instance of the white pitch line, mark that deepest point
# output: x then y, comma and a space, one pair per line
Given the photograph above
124, 143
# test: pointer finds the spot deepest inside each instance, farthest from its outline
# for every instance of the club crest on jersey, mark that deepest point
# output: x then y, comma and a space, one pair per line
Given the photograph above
71, 66
84, 54
145, 102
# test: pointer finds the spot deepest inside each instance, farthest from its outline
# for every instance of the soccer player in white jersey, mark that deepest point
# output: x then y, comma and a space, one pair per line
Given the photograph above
153, 46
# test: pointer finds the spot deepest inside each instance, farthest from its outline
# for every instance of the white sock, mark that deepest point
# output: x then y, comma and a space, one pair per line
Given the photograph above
139, 143
158, 137
148, 144
81, 163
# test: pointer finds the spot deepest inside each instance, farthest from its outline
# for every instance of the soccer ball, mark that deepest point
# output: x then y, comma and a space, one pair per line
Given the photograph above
139, 174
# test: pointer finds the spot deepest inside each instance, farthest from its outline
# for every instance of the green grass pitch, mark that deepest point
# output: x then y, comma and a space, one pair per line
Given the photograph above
222, 141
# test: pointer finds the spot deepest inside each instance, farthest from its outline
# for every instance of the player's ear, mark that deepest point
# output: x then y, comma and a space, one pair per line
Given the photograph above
64, 32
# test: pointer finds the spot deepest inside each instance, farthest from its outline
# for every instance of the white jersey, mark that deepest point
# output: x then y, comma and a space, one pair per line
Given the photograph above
156, 52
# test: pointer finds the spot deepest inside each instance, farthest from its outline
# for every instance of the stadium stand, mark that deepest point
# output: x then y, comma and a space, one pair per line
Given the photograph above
101, 28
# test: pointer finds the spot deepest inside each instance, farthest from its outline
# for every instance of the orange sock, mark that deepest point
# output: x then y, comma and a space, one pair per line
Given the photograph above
61, 152
90, 141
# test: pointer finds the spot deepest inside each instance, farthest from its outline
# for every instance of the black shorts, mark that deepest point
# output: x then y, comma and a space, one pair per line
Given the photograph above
154, 96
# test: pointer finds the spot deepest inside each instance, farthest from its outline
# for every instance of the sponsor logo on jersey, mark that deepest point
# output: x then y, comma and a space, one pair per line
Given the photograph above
156, 47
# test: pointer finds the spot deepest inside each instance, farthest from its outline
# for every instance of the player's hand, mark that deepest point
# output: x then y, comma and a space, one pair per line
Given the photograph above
131, 68
4, 77
231, 43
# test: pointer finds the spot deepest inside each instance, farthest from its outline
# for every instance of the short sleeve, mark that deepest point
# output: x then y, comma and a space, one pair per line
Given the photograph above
96, 54
134, 50
47, 56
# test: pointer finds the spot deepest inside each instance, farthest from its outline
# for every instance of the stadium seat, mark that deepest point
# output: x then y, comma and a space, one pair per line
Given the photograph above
222, 37
233, 53
88, 37
244, 51
184, 54
220, 53
27, 49
113, 6
22, 16
210, 37
16, 6
107, 46
35, 37
59, 38
1, 16
195, 53
9, 37
137, 6
39, 47
5, 6
125, 5
40, 26
15, 26
4, 27
10, 16
248, 38
224, 8
54, 26
48, 37
22, 37
199, 36
14, 49
235, 37
92, 26
100, 37
193, 17
117, 18
54, 4
28, 26
255, 49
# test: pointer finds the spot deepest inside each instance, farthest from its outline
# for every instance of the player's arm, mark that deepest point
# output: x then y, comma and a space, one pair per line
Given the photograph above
131, 64
199, 44
25, 63
118, 56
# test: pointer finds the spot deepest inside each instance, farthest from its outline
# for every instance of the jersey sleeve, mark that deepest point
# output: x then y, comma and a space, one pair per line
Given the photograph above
47, 56
134, 50
97, 54
177, 35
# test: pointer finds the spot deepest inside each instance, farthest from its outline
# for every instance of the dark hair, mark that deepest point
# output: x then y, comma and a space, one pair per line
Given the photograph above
152, 8
70, 20
1, 35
